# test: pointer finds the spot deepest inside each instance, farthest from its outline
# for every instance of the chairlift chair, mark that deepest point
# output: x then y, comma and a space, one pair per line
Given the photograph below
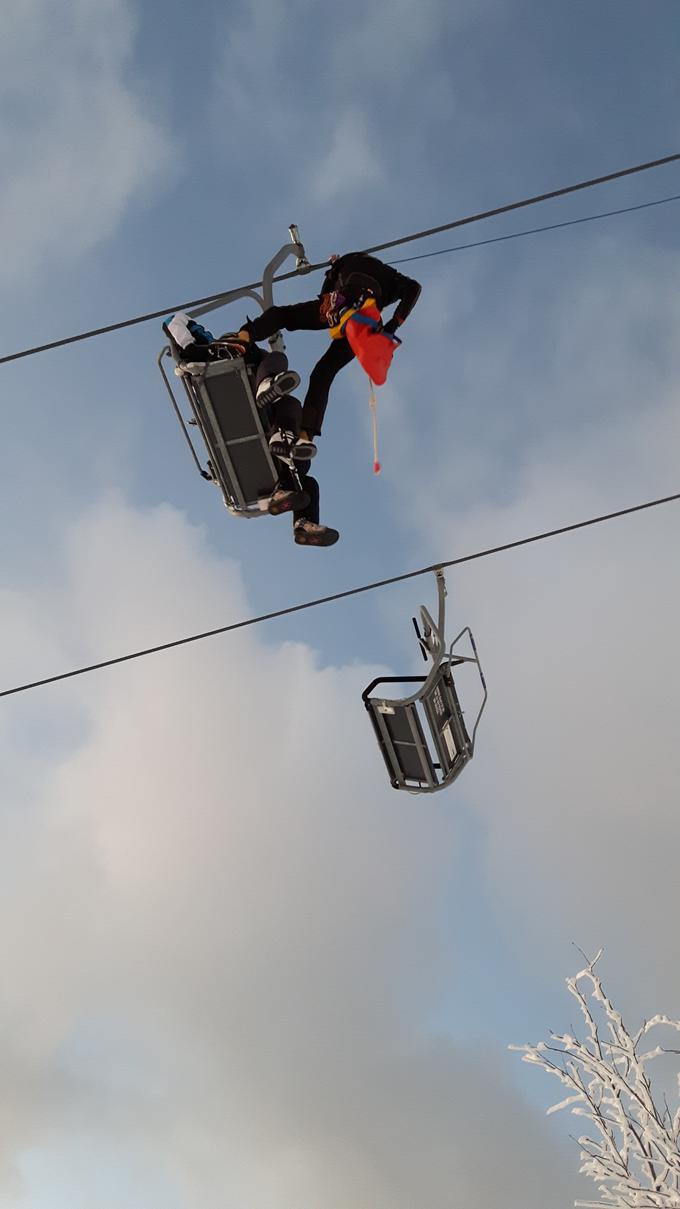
223, 406
423, 737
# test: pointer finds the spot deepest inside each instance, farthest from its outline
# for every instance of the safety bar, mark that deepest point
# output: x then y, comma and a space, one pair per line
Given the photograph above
407, 680
167, 352
455, 660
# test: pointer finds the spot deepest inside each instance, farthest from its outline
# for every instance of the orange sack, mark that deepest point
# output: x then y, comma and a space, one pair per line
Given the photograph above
373, 348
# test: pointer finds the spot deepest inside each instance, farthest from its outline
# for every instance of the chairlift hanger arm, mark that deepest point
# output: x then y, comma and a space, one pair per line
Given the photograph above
266, 298
294, 248
433, 640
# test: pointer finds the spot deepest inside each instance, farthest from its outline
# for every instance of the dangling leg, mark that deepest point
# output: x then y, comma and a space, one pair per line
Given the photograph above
288, 497
284, 415
316, 400
273, 378
306, 528
290, 494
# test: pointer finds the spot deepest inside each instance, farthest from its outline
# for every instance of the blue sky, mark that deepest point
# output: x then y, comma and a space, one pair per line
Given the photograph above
239, 969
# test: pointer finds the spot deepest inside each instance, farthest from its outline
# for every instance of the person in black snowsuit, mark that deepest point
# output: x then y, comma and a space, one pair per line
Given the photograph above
349, 279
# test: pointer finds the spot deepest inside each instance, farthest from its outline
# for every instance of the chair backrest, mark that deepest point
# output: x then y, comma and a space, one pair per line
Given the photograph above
226, 413
422, 737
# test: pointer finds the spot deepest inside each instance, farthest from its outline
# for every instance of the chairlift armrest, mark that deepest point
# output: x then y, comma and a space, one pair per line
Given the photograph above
390, 680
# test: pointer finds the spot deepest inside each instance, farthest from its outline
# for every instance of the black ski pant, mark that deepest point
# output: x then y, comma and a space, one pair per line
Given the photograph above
305, 316
308, 484
272, 363
285, 413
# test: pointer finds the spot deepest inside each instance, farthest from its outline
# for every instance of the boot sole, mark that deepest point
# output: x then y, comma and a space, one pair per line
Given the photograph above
306, 456
293, 504
326, 540
283, 386
288, 381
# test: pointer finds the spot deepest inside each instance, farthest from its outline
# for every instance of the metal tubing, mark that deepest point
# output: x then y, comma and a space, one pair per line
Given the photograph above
232, 296
286, 250
302, 265
435, 645
266, 299
466, 630
167, 352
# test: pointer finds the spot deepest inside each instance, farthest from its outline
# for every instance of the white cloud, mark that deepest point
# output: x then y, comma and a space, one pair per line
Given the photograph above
219, 925
78, 145
351, 162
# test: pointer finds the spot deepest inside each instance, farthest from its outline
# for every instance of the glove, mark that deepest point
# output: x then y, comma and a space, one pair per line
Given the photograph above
391, 326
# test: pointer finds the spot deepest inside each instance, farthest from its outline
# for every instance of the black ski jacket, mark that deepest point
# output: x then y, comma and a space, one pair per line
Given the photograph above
355, 272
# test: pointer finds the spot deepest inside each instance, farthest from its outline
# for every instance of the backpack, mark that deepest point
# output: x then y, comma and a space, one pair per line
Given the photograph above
190, 338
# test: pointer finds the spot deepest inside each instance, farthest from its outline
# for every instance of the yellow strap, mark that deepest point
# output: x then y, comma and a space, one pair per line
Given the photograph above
338, 331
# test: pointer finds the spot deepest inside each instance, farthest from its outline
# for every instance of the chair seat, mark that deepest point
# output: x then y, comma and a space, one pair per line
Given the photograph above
422, 737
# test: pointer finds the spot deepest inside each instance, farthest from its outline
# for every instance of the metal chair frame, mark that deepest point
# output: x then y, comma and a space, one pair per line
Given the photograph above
416, 761
199, 386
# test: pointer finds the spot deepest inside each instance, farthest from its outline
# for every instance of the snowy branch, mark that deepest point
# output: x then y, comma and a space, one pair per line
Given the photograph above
633, 1150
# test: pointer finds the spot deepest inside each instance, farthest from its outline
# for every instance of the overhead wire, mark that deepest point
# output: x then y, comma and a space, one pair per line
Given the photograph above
291, 609
553, 226
342, 595
527, 201
507, 208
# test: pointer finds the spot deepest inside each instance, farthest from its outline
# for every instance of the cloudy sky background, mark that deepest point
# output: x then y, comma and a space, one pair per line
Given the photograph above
239, 970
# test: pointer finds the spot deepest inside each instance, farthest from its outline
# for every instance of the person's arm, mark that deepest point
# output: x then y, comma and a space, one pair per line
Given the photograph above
261, 326
407, 292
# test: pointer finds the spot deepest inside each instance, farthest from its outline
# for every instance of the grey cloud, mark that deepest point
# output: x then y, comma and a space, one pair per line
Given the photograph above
218, 951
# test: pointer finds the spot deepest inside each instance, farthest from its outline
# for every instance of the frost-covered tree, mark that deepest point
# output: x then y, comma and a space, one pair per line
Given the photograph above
632, 1148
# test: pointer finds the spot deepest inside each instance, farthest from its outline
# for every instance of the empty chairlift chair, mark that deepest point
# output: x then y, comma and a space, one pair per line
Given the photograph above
423, 737
223, 407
